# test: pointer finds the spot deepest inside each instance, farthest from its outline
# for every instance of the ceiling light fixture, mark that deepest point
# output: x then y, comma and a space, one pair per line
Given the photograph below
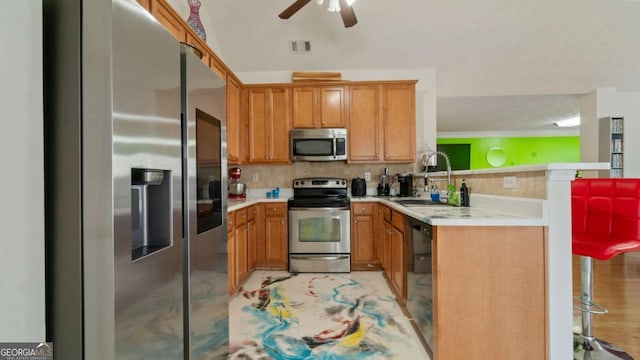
334, 5
574, 121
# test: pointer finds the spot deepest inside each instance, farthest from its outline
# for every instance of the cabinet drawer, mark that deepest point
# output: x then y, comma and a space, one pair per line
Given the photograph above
275, 209
252, 212
397, 219
241, 217
231, 221
386, 213
361, 209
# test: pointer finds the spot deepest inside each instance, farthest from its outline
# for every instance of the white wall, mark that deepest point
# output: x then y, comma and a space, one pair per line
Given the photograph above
22, 286
425, 94
603, 102
182, 8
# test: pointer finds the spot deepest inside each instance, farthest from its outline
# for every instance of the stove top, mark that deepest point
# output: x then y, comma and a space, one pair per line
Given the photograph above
319, 192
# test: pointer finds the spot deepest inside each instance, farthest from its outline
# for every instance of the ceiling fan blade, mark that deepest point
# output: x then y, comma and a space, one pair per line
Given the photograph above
297, 5
348, 16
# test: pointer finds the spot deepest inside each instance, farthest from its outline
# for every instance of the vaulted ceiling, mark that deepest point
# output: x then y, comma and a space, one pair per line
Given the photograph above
545, 51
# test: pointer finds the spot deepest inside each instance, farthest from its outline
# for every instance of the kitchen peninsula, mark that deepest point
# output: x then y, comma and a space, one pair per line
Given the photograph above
502, 268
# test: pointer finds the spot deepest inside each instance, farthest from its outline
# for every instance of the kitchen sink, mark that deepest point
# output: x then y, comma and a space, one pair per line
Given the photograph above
418, 202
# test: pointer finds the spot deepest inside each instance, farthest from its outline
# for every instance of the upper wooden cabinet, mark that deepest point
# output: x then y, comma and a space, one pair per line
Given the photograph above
201, 46
382, 122
234, 126
166, 16
216, 65
319, 107
399, 122
169, 18
365, 124
269, 124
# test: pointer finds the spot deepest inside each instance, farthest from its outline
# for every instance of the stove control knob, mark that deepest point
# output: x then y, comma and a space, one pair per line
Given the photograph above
295, 183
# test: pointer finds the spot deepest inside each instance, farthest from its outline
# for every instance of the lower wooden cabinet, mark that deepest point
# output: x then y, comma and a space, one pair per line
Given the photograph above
398, 268
392, 254
241, 245
363, 256
241, 239
231, 251
275, 236
252, 237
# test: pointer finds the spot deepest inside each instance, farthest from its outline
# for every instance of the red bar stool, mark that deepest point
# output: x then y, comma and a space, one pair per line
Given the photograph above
605, 216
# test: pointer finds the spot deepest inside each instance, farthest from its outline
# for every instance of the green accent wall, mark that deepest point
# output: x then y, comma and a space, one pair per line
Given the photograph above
521, 150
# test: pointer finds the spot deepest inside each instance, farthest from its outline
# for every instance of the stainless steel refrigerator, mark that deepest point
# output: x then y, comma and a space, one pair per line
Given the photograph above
135, 188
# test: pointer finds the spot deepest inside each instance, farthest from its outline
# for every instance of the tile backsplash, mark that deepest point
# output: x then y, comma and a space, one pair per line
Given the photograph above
270, 176
529, 184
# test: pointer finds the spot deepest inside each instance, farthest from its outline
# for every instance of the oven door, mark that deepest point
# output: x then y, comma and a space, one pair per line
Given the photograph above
319, 231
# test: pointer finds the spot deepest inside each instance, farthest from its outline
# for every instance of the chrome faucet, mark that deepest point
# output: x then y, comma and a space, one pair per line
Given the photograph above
446, 158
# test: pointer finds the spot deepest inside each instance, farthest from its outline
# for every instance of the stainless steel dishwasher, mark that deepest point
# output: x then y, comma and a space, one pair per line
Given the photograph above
420, 278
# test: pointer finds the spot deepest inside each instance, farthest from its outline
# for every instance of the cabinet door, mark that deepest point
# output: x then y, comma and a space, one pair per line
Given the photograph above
252, 237
399, 123
280, 125
362, 233
269, 124
365, 125
386, 246
233, 121
333, 106
231, 260
304, 104
241, 253
276, 241
320, 106
252, 241
379, 232
258, 125
397, 263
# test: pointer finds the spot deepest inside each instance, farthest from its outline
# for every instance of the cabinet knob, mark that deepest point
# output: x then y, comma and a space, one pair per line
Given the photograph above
281, 221
355, 221
274, 209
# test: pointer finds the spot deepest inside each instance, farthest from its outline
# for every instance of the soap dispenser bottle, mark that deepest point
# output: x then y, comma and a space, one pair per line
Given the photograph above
464, 194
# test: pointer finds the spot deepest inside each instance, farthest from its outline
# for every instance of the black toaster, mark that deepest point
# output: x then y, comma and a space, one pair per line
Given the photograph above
358, 187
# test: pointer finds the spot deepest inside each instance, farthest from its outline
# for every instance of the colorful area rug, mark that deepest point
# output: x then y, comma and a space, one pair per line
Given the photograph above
277, 315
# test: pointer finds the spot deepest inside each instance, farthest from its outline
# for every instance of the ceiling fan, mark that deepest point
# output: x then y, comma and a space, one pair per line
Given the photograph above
346, 11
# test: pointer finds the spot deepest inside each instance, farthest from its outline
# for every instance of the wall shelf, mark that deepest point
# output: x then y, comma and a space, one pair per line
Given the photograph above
612, 145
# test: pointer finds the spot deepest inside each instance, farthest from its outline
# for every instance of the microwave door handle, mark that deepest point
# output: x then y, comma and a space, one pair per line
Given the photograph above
335, 147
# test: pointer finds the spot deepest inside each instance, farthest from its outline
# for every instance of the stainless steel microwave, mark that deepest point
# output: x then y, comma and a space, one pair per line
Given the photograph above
318, 144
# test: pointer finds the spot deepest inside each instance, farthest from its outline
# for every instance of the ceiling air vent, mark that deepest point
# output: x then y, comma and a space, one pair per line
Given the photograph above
300, 46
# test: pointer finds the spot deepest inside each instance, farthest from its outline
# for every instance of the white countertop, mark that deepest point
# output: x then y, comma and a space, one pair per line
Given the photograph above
446, 215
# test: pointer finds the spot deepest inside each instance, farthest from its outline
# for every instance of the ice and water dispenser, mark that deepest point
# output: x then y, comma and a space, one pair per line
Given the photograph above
150, 211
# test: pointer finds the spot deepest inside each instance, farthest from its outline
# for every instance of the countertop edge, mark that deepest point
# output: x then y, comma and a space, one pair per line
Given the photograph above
236, 204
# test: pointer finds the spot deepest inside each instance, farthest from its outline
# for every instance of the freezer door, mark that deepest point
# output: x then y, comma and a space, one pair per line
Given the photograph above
146, 150
204, 111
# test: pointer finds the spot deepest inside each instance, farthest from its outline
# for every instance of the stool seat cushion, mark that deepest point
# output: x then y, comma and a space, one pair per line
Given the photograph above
593, 245
605, 217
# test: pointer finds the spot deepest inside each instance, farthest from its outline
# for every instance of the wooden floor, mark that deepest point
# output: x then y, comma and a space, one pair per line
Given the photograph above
616, 287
